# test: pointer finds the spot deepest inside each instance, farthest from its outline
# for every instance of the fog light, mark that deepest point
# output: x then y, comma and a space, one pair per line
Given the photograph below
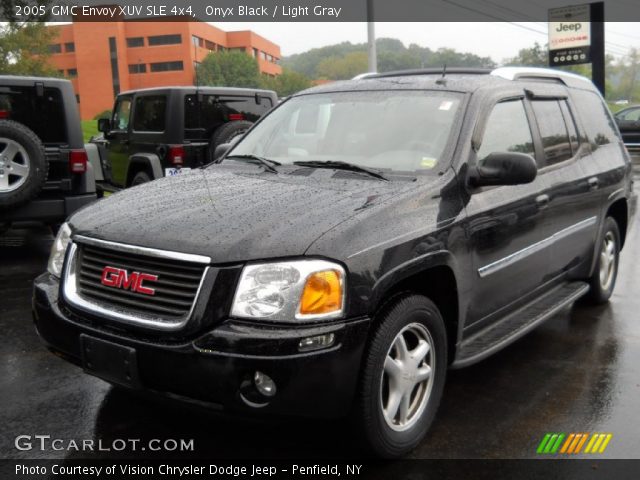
314, 343
265, 385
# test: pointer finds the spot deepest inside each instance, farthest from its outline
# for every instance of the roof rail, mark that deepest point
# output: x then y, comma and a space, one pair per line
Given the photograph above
426, 71
364, 75
521, 73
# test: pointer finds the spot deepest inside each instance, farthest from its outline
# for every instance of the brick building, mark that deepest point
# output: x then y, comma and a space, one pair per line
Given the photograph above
104, 58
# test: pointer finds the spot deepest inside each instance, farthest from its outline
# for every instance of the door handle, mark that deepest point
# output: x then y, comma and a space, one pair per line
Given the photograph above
542, 201
593, 183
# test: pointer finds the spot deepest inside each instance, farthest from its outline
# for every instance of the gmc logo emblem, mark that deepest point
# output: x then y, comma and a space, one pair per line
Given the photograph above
119, 278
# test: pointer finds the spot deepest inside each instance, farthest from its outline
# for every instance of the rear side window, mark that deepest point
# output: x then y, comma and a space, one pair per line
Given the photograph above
507, 130
44, 114
150, 113
204, 115
595, 117
553, 130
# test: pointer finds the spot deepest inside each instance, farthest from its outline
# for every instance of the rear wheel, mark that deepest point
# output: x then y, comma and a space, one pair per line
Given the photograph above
23, 164
403, 376
603, 279
140, 178
226, 133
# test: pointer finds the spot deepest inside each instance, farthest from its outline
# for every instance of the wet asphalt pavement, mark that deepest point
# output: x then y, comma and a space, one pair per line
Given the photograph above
579, 372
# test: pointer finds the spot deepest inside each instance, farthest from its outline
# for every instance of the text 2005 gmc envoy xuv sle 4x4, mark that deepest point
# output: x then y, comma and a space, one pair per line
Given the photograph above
358, 241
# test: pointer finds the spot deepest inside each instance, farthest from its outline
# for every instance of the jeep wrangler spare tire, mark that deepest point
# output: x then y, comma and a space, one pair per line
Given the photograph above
226, 133
23, 164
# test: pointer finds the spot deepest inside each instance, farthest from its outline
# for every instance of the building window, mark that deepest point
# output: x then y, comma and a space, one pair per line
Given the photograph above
255, 52
115, 76
55, 48
77, 98
210, 46
167, 66
263, 55
197, 41
72, 72
138, 68
135, 42
165, 40
70, 47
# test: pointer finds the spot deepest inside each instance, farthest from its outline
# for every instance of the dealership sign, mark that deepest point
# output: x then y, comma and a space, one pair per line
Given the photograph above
569, 35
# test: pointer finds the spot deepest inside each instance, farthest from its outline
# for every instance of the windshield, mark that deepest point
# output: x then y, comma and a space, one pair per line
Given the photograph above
386, 130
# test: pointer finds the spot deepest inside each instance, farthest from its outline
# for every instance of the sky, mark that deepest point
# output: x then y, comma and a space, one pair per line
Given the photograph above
498, 40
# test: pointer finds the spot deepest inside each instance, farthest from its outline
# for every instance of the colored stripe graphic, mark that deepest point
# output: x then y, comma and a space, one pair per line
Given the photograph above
573, 443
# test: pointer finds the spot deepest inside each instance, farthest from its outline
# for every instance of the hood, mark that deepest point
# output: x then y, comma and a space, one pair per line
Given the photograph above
234, 214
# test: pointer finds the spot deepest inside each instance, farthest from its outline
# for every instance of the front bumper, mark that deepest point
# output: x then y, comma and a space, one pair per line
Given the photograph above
217, 367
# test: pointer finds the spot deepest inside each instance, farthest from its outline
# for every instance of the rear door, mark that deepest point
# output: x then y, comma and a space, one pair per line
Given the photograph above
572, 194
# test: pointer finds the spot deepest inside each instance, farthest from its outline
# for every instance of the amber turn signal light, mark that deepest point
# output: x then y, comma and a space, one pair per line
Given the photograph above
322, 293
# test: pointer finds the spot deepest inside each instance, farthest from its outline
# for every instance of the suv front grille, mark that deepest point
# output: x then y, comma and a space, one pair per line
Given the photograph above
103, 276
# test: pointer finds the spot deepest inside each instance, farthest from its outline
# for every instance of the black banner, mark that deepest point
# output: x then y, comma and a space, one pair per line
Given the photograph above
300, 10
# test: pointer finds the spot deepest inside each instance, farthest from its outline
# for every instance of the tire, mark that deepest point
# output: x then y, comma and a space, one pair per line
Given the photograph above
140, 178
603, 279
23, 164
416, 319
226, 133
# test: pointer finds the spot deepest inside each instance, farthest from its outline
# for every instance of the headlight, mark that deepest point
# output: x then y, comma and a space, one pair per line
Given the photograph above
58, 249
290, 291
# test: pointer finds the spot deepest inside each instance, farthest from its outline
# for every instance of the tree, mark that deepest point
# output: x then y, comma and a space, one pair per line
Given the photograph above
24, 44
229, 69
343, 68
287, 83
536, 56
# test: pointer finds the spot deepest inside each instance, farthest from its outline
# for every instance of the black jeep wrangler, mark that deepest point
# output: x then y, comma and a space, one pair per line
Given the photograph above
360, 240
44, 173
161, 132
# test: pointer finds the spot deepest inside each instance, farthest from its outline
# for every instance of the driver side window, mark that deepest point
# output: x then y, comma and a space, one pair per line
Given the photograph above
507, 130
121, 115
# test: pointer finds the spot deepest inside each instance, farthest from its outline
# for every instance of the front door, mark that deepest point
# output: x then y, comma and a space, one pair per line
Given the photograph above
118, 141
507, 225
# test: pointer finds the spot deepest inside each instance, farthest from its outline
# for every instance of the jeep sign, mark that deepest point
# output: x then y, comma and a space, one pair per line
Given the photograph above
569, 35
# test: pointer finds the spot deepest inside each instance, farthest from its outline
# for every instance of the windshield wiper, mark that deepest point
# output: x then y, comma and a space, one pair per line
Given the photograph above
267, 163
342, 166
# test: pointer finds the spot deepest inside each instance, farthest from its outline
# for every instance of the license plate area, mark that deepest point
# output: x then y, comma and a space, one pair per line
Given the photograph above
109, 361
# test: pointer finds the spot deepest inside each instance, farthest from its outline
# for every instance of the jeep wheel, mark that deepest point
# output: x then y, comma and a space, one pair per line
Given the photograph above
403, 376
140, 178
603, 279
226, 133
23, 164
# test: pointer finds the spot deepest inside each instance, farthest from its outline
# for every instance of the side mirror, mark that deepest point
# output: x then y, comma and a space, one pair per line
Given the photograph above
221, 150
504, 168
104, 125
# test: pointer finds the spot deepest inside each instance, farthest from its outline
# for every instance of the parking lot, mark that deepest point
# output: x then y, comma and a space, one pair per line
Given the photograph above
580, 372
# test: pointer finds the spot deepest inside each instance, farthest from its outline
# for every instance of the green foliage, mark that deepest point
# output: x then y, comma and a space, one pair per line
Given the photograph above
89, 129
536, 56
105, 114
287, 83
345, 60
229, 69
24, 45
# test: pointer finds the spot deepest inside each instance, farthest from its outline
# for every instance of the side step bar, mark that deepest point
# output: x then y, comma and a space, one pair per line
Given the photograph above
515, 325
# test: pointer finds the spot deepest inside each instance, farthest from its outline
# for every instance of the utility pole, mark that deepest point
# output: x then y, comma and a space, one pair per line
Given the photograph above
371, 37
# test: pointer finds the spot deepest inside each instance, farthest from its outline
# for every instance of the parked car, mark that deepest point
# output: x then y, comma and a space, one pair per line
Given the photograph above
44, 175
161, 132
628, 120
360, 240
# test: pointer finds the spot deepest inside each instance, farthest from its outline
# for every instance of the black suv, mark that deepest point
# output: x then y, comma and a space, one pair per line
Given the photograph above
44, 173
357, 242
167, 131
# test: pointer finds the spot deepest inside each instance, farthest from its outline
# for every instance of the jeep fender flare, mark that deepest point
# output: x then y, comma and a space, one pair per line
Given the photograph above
149, 161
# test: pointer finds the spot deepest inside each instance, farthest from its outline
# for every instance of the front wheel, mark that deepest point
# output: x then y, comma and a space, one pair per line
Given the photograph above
403, 376
603, 279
